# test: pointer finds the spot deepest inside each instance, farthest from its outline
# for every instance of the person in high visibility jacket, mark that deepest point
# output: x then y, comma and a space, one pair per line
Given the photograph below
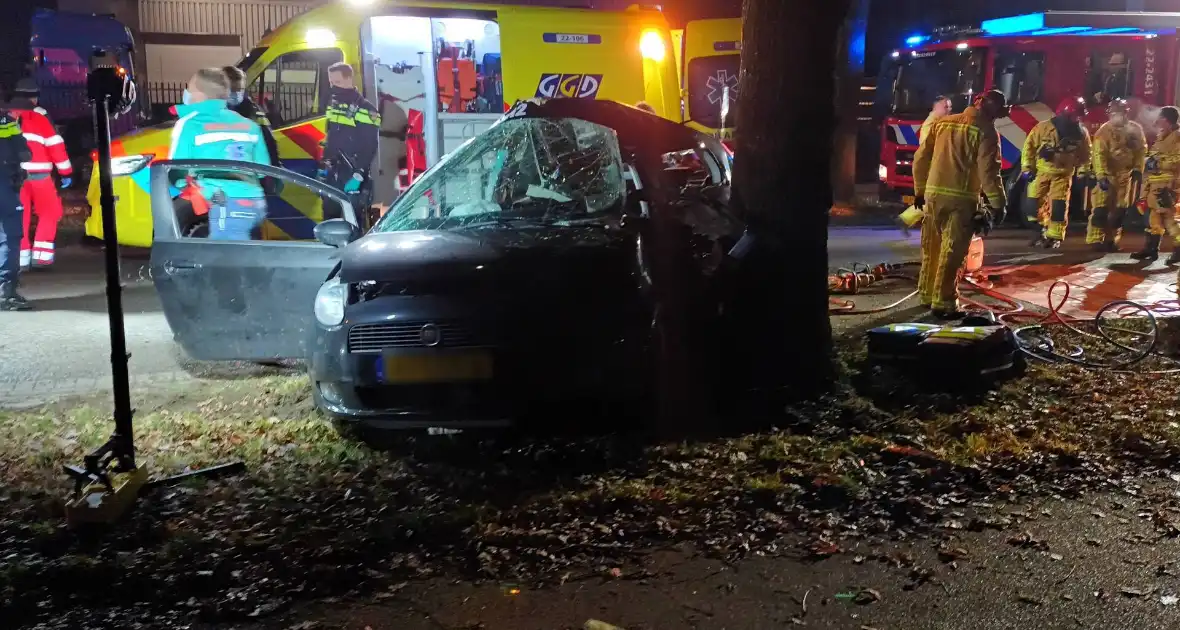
240, 102
39, 193
1162, 192
1053, 150
350, 144
941, 108
911, 217
958, 162
209, 130
13, 151
1120, 149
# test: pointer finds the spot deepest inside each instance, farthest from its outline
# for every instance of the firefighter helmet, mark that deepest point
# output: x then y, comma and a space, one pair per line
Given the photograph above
1072, 106
1118, 106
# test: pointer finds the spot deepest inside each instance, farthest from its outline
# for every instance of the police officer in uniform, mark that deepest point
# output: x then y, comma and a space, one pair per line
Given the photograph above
13, 151
351, 142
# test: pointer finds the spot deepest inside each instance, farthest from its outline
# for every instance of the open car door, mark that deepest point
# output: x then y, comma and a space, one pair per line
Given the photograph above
226, 300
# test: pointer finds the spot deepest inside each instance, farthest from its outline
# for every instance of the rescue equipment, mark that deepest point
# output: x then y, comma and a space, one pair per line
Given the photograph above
978, 346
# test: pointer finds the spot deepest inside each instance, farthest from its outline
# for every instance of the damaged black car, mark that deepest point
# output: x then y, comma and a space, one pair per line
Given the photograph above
571, 253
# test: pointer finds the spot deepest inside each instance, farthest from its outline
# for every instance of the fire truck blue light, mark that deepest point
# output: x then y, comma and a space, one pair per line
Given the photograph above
914, 40
1014, 24
1113, 31
1061, 30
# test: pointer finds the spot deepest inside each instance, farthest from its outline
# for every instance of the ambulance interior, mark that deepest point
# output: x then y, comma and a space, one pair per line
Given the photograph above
437, 82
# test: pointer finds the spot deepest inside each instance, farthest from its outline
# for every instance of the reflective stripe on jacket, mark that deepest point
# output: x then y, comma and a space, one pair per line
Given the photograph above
210, 131
1165, 156
960, 158
1067, 157
46, 147
352, 132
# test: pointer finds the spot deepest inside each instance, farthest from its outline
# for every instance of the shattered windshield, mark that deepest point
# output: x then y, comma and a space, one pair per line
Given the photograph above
535, 170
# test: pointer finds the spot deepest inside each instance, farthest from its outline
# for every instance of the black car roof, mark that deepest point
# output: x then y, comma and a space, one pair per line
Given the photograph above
638, 130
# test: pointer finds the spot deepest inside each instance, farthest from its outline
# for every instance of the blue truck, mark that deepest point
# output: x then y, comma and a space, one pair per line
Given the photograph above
60, 45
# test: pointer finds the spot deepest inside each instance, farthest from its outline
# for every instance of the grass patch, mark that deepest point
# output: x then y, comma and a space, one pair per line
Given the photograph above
318, 514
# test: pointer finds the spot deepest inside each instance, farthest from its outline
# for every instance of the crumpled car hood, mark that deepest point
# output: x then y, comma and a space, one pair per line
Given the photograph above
390, 255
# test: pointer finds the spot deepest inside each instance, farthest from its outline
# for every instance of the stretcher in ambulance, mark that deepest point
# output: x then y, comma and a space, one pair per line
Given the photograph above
709, 54
439, 72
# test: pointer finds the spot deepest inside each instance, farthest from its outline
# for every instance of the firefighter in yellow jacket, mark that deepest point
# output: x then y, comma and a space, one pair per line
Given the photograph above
1120, 149
1162, 170
1053, 150
958, 162
942, 107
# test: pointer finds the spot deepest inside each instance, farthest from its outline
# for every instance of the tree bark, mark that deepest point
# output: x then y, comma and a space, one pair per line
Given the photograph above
782, 188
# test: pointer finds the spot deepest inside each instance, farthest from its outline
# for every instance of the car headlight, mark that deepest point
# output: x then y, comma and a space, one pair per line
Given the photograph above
330, 301
882, 172
128, 164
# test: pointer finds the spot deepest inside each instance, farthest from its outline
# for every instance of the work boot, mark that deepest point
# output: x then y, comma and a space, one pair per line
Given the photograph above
1050, 243
1151, 249
1174, 257
10, 300
1105, 247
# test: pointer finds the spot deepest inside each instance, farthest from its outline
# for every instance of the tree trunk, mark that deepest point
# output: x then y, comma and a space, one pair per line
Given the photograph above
782, 188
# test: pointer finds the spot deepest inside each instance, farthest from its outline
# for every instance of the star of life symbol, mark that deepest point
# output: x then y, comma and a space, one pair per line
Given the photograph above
716, 84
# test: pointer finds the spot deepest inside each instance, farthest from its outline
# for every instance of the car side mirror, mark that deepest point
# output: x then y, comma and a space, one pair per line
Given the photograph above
336, 232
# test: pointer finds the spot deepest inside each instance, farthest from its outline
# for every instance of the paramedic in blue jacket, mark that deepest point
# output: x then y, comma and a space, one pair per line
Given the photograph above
208, 130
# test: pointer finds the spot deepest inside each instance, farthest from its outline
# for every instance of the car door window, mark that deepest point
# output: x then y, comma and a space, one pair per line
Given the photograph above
211, 200
1109, 77
1020, 76
294, 87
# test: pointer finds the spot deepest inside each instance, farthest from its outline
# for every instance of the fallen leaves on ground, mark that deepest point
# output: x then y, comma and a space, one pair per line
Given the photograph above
319, 515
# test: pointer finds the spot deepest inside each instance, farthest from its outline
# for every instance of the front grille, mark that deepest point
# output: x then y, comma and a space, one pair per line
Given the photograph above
905, 170
904, 155
369, 338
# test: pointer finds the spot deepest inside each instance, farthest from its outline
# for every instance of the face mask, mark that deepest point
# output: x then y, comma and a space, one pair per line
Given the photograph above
236, 98
186, 97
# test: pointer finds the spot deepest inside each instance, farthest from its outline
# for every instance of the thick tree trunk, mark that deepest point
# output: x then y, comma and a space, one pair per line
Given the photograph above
786, 119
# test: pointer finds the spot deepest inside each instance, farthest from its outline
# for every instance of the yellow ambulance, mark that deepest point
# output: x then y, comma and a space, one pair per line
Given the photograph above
708, 56
446, 71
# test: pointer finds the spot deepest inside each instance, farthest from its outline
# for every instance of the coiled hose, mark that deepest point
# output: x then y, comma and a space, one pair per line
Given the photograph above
1031, 329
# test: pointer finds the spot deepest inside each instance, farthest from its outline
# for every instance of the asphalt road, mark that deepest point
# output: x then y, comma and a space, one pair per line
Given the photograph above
63, 347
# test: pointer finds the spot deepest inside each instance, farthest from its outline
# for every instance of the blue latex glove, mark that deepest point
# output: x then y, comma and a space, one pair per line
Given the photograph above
353, 185
321, 174
1104, 184
66, 181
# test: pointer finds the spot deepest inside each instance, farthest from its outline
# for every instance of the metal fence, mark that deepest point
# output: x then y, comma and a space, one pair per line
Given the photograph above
292, 102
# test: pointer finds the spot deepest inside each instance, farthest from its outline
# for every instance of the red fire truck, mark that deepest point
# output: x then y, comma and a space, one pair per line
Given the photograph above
1037, 60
